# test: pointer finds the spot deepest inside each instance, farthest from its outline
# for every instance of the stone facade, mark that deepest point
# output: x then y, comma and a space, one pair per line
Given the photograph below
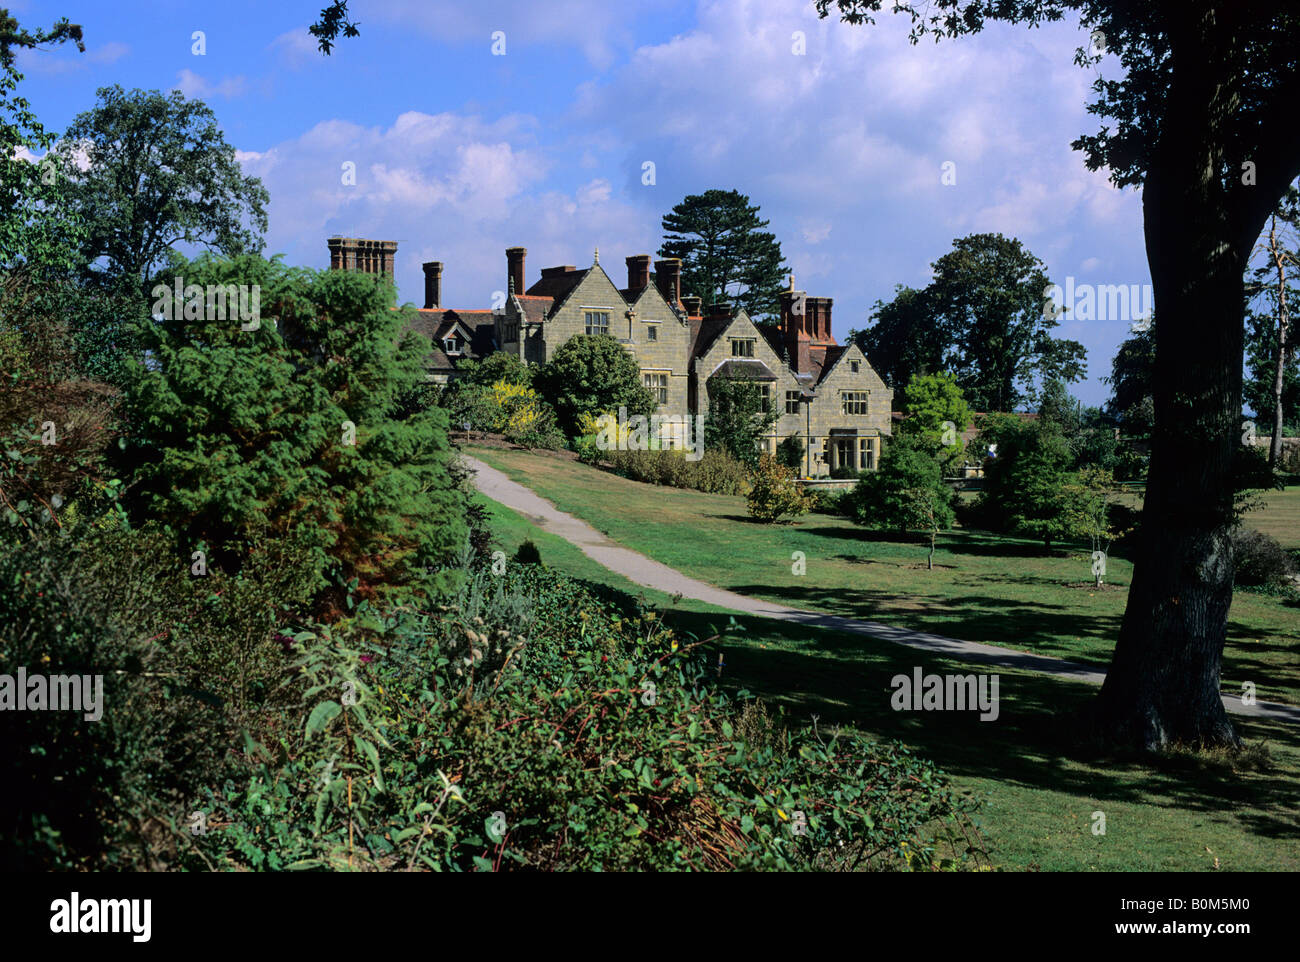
818, 388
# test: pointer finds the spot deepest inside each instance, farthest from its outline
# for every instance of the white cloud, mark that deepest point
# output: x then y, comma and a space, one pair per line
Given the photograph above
295, 47
67, 59
447, 187
192, 85
815, 233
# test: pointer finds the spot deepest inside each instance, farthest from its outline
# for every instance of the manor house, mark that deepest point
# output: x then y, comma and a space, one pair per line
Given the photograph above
820, 389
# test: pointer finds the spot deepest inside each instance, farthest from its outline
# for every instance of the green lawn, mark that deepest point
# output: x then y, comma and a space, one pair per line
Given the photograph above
1037, 795
1003, 591
1280, 517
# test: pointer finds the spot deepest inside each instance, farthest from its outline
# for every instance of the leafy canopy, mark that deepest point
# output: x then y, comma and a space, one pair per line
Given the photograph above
590, 374
149, 171
982, 316
737, 420
726, 255
295, 431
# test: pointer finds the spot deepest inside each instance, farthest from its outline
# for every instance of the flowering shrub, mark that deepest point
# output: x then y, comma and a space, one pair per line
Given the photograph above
774, 492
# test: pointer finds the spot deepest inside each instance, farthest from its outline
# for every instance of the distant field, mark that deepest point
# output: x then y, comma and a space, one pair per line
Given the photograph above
1003, 591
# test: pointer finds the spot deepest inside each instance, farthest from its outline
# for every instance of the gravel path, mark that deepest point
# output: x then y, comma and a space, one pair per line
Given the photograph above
651, 574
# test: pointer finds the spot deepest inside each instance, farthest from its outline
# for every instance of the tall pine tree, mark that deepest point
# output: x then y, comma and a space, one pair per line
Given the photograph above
726, 255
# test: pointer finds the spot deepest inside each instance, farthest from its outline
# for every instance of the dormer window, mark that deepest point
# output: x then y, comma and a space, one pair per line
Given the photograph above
451, 345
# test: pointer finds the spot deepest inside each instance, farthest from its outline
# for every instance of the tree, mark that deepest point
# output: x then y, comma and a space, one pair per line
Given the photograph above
981, 315
1024, 477
1202, 122
1131, 369
1088, 502
497, 366
902, 342
937, 413
726, 255
737, 420
591, 374
907, 492
291, 432
1035, 495
333, 22
790, 452
12, 37
986, 299
1273, 388
159, 173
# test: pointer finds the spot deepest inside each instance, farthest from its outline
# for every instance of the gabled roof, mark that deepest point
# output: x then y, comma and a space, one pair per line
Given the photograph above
436, 323
704, 332
824, 361
534, 307
745, 369
558, 286
482, 340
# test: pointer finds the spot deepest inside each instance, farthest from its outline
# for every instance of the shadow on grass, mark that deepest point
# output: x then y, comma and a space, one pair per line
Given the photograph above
1033, 742
1034, 625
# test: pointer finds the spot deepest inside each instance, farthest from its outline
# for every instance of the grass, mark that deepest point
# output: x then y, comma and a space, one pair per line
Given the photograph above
1280, 516
1037, 792
1003, 591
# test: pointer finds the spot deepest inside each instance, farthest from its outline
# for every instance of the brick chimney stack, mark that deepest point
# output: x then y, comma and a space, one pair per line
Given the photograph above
515, 267
721, 309
692, 305
819, 321
668, 278
432, 284
796, 328
638, 273
359, 254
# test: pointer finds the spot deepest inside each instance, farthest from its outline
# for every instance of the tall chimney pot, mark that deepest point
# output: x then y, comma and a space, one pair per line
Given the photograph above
668, 278
515, 267
638, 273
432, 284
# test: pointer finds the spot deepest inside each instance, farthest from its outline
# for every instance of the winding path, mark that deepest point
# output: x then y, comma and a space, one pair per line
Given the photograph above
651, 574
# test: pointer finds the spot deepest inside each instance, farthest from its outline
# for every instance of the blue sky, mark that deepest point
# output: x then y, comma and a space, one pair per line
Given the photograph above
460, 153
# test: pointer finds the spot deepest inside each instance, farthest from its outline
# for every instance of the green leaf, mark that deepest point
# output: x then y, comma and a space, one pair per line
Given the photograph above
368, 749
321, 715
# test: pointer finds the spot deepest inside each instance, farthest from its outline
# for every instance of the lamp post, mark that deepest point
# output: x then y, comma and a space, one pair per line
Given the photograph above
807, 400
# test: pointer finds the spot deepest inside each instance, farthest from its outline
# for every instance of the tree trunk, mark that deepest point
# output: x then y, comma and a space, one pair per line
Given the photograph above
1163, 684
1279, 259
929, 561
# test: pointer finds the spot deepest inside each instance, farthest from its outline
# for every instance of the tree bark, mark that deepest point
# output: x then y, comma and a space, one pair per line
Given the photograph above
1163, 686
